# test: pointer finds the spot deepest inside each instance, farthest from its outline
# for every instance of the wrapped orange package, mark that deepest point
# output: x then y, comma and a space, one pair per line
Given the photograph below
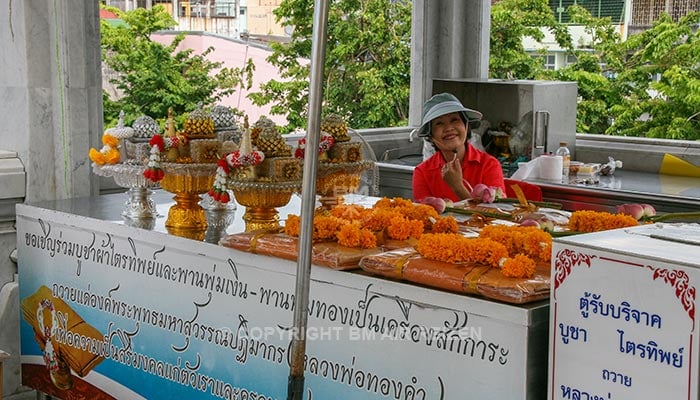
469, 278
326, 254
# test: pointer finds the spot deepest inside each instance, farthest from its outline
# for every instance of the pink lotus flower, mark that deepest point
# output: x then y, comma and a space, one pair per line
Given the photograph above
437, 203
637, 211
486, 194
649, 211
543, 223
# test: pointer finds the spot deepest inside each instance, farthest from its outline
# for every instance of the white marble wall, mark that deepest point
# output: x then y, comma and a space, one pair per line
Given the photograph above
50, 85
51, 102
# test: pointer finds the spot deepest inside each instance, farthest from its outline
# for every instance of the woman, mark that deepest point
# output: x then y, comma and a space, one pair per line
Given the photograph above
456, 166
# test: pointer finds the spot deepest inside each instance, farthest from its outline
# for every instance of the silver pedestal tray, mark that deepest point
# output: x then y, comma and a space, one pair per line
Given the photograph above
208, 203
139, 204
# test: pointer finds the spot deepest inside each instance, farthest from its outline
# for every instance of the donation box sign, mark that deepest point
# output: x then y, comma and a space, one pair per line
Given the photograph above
623, 321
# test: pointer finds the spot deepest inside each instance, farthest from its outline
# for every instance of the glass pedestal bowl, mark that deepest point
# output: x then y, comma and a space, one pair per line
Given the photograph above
187, 182
261, 200
335, 180
129, 175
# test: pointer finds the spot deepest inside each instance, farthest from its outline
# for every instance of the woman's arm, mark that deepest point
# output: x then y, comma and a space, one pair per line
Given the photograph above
421, 186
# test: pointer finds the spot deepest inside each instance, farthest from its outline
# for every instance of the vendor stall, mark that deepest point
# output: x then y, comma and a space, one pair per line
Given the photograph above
117, 311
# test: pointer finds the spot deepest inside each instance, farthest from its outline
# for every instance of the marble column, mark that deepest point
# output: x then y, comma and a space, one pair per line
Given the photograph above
450, 39
51, 93
51, 102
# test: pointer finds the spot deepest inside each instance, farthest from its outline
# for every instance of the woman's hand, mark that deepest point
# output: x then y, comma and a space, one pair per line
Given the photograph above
452, 175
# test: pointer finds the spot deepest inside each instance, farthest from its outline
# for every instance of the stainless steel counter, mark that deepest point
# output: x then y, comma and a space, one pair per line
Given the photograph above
666, 193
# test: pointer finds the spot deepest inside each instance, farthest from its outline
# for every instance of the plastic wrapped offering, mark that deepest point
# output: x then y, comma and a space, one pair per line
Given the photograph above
468, 278
326, 254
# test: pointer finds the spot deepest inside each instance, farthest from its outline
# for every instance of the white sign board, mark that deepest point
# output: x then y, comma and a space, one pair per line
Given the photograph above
167, 317
623, 319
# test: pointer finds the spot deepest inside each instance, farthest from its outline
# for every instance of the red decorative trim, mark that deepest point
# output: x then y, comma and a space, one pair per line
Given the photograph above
564, 261
680, 281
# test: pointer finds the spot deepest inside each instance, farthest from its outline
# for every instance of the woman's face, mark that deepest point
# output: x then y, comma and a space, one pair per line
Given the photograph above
449, 132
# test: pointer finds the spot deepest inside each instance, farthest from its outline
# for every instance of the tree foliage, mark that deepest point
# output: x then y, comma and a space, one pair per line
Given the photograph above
661, 82
153, 77
511, 22
367, 63
645, 86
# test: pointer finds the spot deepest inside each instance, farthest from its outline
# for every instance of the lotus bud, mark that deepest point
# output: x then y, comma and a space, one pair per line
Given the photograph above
649, 211
547, 224
635, 210
478, 190
437, 203
488, 195
530, 222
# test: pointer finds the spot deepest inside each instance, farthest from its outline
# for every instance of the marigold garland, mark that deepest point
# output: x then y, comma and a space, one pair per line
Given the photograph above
402, 228
529, 240
595, 221
445, 225
454, 248
292, 226
399, 218
520, 266
352, 235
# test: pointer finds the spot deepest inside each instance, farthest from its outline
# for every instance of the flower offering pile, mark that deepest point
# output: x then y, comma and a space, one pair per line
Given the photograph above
507, 263
122, 157
346, 233
192, 149
263, 161
340, 160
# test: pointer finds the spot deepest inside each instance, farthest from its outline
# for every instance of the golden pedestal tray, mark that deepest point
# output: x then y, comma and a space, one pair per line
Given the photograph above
261, 200
187, 182
335, 180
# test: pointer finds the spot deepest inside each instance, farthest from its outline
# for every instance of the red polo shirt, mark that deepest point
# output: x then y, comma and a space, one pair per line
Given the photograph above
477, 167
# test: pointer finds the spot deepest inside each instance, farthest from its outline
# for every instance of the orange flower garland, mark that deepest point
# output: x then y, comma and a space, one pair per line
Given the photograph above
445, 225
402, 228
292, 226
455, 248
352, 235
530, 240
510, 248
594, 221
400, 219
520, 266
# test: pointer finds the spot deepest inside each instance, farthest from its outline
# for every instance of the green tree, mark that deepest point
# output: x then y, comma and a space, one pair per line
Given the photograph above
367, 63
153, 77
595, 70
660, 81
511, 22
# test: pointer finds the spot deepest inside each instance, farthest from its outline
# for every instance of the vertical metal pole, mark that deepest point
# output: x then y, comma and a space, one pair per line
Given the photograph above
295, 386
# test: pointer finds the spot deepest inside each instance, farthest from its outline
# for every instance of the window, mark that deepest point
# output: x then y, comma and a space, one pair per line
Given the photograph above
549, 61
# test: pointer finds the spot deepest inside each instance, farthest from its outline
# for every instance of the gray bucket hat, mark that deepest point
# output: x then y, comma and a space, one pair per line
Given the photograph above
441, 104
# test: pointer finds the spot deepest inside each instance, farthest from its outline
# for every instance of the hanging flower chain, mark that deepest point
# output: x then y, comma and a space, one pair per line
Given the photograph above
159, 144
47, 332
232, 160
327, 141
